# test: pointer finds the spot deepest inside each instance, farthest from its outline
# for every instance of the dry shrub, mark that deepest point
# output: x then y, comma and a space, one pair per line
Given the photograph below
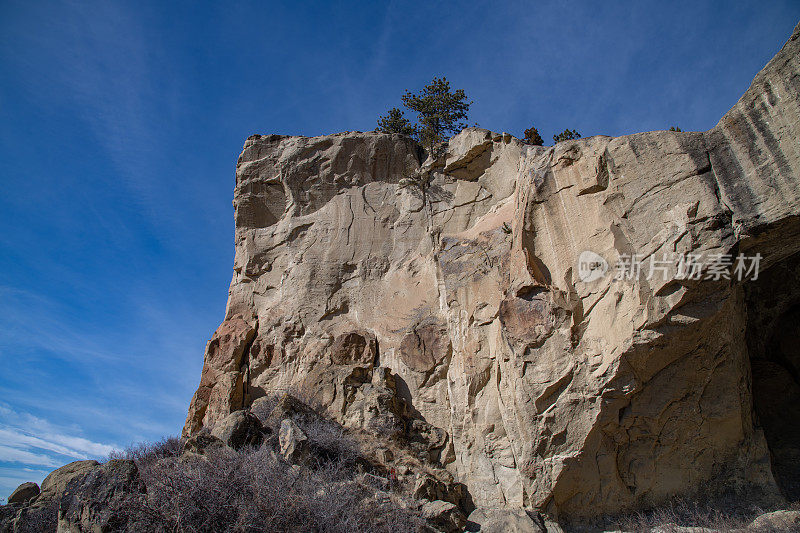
146, 452
722, 515
251, 490
305, 395
263, 408
330, 442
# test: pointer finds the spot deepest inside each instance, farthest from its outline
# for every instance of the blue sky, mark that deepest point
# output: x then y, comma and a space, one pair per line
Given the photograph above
120, 124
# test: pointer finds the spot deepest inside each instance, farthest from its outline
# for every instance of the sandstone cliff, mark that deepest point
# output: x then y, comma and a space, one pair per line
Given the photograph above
442, 299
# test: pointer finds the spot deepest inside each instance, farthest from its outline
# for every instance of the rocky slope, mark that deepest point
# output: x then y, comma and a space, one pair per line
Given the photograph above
443, 302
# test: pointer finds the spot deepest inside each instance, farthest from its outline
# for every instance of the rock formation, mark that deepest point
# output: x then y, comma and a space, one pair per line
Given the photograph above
38, 509
447, 300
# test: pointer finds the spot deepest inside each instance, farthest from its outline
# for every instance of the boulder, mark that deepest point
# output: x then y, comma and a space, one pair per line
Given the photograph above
100, 500
427, 487
24, 493
294, 444
443, 516
777, 521
511, 521
55, 483
262, 407
40, 513
200, 444
240, 429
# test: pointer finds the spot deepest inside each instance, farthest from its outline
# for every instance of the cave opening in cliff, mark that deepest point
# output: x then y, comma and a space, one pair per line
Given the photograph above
773, 339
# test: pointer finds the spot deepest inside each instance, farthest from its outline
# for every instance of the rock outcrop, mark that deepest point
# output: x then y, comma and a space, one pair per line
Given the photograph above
54, 484
452, 302
443, 516
240, 429
33, 508
24, 493
293, 442
97, 501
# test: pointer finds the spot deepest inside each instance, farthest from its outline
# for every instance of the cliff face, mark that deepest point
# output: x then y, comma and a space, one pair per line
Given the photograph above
449, 301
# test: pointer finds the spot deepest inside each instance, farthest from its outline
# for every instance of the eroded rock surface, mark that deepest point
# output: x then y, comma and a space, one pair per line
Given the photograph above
451, 307
97, 501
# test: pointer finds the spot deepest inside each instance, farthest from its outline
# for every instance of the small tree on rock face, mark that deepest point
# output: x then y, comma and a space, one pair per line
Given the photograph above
566, 135
674, 128
532, 137
395, 122
440, 110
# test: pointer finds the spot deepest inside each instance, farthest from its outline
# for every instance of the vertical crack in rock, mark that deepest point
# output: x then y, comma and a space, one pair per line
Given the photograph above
245, 368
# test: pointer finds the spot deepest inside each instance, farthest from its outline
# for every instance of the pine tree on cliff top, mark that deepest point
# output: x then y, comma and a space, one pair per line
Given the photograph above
395, 122
566, 135
532, 137
441, 111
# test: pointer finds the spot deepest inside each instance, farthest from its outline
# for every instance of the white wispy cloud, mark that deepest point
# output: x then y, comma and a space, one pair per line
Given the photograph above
36, 321
77, 447
150, 393
30, 440
31, 447
10, 478
15, 455
106, 63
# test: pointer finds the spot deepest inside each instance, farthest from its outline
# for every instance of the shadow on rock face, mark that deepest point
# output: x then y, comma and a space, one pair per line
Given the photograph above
772, 334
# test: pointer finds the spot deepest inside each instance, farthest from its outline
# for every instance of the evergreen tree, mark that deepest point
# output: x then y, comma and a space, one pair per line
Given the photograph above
532, 137
566, 135
395, 122
440, 111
